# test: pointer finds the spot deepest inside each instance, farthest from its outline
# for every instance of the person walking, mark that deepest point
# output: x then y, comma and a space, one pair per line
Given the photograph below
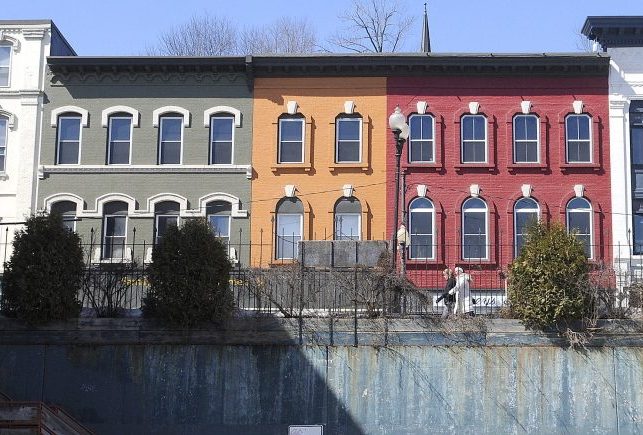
449, 299
463, 300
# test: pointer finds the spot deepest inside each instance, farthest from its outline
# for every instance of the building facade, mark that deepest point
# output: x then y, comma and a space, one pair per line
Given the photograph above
622, 40
498, 143
24, 46
133, 145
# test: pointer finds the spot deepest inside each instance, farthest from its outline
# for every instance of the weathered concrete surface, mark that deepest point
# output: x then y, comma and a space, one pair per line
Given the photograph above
210, 386
341, 253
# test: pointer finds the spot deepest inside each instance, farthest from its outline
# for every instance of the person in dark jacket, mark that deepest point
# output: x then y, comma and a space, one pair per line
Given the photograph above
449, 300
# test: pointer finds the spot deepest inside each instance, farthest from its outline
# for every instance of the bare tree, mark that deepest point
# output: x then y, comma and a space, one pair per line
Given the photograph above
202, 35
373, 26
285, 35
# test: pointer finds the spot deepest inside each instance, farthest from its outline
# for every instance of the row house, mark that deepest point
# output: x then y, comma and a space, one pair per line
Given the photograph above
133, 145
24, 46
499, 142
621, 38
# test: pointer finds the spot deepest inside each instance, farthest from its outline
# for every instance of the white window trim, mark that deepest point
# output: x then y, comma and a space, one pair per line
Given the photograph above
486, 139
59, 197
11, 51
589, 210
433, 234
221, 116
337, 122
107, 113
158, 150
208, 113
359, 224
516, 211
157, 114
152, 201
125, 251
229, 216
303, 138
486, 223
301, 233
432, 140
225, 197
80, 141
11, 118
522, 115
109, 137
55, 114
591, 140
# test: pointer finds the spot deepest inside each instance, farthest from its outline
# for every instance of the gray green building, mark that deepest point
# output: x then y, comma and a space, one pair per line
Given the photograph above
133, 145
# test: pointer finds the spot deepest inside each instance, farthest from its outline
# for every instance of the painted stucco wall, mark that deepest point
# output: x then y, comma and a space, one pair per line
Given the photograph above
319, 181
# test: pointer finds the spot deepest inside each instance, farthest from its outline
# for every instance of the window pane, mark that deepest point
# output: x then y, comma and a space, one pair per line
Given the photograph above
291, 130
348, 152
222, 153
119, 153
474, 152
421, 223
162, 224
637, 145
170, 153
474, 223
288, 225
638, 233
421, 151
474, 247
421, 246
531, 152
579, 221
69, 129
348, 129
221, 129
5, 55
583, 152
3, 132
115, 225
220, 225
347, 227
583, 127
524, 220
2, 162
520, 128
290, 152
171, 129
120, 129
68, 153
467, 128
572, 127
479, 128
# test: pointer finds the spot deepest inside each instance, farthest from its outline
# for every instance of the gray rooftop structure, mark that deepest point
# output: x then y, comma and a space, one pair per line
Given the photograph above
614, 31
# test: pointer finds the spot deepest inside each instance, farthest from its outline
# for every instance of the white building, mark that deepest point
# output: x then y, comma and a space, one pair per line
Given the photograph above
622, 39
24, 47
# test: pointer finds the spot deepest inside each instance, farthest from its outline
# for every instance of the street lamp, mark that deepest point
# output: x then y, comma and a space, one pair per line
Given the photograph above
400, 129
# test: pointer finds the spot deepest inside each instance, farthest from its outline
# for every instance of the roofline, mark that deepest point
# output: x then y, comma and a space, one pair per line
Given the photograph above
614, 31
25, 22
593, 64
62, 37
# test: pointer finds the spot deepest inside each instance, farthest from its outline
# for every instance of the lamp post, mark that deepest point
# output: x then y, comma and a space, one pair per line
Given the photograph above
400, 129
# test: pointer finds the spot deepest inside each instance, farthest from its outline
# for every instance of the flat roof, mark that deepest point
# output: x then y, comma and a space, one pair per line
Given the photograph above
614, 31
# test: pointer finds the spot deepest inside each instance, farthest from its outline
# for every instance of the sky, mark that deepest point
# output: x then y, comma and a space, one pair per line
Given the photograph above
128, 27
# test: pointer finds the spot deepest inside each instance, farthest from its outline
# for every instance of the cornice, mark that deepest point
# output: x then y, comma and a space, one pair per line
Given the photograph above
44, 170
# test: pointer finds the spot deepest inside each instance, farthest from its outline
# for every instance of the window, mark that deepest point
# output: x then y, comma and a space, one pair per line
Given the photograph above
68, 140
120, 140
474, 139
114, 230
526, 212
170, 140
526, 139
348, 146
579, 222
636, 154
67, 210
221, 139
289, 228
166, 214
348, 219
474, 230
421, 220
421, 139
291, 140
579, 139
219, 215
5, 64
4, 132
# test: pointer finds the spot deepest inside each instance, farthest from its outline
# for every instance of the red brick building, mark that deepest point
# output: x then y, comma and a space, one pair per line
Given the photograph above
496, 141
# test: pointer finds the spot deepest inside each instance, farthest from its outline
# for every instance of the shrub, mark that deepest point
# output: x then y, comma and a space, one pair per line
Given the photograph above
45, 272
189, 277
548, 282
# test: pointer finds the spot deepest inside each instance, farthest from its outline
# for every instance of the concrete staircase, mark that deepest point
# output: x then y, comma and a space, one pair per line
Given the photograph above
37, 418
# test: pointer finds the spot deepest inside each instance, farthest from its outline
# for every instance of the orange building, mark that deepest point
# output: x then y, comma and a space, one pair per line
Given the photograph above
319, 160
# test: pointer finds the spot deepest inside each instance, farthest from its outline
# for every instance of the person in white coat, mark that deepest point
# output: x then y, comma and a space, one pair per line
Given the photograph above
463, 300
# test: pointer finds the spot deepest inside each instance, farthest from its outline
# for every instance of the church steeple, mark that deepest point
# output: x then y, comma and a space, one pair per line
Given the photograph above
426, 39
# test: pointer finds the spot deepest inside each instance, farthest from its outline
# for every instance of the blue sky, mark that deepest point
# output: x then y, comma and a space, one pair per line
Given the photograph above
127, 27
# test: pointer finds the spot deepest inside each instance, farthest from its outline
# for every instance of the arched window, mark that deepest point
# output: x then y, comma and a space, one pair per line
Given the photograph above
67, 210
119, 149
4, 133
526, 212
474, 139
219, 215
578, 138
166, 214
5, 64
421, 139
289, 227
526, 139
421, 225
114, 230
348, 219
579, 222
475, 229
